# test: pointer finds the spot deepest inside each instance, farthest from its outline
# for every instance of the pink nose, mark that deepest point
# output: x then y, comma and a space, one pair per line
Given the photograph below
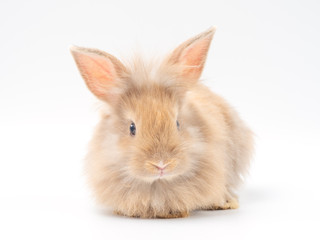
161, 166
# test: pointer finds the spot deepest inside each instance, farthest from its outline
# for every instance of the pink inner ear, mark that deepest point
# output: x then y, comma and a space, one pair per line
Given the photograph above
195, 54
98, 72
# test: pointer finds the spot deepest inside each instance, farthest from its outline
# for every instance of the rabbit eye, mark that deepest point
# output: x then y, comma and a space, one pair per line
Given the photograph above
178, 125
132, 129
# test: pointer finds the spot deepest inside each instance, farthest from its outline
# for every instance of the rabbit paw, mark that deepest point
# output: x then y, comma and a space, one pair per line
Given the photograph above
156, 215
229, 204
173, 215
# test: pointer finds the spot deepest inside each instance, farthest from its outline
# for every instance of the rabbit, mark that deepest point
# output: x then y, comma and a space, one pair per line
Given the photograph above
165, 145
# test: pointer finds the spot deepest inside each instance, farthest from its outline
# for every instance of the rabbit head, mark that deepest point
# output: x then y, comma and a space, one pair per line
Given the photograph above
156, 134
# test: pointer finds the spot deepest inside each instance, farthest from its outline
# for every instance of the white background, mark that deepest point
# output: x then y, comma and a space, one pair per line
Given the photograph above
264, 60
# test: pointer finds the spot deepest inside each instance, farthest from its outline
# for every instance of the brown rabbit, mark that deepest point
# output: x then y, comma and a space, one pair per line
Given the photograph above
165, 145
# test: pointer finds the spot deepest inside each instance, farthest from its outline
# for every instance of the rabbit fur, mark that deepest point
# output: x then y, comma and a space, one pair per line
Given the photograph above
190, 149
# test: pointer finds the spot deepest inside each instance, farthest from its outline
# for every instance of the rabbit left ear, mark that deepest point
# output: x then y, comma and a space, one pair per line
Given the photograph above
191, 55
101, 71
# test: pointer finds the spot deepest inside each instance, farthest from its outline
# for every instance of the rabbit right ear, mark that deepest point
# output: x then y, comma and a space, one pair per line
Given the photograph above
101, 71
191, 55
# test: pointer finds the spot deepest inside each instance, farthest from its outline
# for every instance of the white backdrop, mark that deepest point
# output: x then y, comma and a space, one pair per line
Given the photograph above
264, 60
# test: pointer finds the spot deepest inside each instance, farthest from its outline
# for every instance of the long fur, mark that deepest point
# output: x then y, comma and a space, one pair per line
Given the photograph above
207, 156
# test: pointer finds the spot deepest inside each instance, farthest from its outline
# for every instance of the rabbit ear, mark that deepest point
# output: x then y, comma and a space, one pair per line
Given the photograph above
191, 55
101, 71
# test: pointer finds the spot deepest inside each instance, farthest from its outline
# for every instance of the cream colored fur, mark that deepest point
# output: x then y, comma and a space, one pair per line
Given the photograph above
206, 156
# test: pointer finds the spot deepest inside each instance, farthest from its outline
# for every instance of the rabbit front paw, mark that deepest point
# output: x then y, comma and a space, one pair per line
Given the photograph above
171, 214
229, 204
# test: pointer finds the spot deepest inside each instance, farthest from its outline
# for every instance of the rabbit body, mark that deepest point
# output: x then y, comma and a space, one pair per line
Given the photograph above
165, 144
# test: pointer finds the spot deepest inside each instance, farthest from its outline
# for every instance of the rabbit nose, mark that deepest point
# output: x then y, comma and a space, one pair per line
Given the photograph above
160, 165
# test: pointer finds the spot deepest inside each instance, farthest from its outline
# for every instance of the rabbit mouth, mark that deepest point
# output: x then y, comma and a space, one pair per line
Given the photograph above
160, 175
165, 175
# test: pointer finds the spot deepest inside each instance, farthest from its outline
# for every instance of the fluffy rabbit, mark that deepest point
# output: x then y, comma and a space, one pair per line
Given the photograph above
165, 145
